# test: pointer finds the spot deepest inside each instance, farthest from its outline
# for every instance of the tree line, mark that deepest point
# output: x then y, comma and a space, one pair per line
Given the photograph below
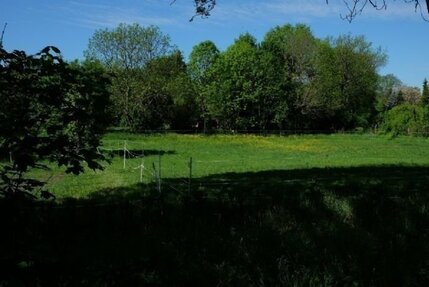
290, 80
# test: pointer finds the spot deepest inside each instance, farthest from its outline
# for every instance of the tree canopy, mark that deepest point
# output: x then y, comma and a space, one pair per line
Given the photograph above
125, 51
291, 80
127, 46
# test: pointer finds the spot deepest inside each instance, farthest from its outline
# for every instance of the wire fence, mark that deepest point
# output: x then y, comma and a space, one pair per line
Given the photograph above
279, 132
165, 170
180, 167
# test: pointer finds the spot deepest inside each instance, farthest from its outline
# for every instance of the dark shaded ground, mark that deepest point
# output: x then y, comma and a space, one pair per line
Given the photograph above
366, 226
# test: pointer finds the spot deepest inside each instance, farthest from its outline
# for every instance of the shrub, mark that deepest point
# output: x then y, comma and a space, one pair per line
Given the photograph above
406, 119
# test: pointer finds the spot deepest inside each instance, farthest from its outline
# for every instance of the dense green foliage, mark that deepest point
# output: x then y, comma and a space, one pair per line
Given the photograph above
290, 80
294, 81
50, 110
127, 46
125, 52
407, 119
234, 92
201, 59
162, 95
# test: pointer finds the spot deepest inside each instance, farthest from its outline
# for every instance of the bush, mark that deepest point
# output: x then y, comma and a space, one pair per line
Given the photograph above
406, 119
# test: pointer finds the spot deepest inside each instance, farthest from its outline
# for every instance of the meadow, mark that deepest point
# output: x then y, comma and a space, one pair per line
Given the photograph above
220, 154
307, 210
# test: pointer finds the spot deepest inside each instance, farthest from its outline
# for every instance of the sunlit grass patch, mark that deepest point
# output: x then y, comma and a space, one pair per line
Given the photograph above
219, 154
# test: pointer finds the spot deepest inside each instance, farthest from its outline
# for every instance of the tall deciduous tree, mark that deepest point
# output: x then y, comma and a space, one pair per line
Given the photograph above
125, 51
294, 49
49, 110
320, 100
166, 97
232, 96
244, 90
201, 60
346, 81
128, 46
358, 64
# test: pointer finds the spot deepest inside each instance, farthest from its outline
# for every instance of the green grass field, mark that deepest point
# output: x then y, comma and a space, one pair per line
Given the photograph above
222, 154
319, 210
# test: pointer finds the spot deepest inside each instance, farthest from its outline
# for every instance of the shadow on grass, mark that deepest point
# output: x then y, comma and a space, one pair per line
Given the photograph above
363, 226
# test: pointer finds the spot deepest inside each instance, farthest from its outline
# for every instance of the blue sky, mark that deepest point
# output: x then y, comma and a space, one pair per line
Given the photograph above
68, 24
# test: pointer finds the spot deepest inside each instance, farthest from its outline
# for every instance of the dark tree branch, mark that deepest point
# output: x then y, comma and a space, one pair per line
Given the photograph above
2, 35
354, 7
203, 8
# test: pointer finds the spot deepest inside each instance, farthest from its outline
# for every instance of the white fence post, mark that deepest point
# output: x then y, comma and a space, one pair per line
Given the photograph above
141, 171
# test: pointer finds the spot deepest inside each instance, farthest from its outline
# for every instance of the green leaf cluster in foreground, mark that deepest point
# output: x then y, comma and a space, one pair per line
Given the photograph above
50, 111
